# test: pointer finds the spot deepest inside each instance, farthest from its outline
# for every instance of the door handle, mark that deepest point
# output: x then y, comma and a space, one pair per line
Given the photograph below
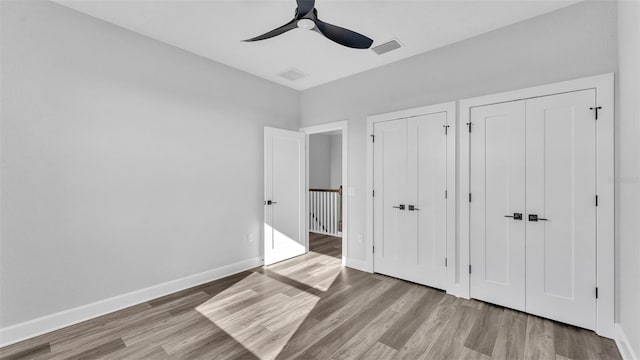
401, 207
515, 216
412, 208
534, 218
269, 202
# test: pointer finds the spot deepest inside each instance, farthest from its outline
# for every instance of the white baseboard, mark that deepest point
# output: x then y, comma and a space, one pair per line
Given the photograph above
45, 324
623, 345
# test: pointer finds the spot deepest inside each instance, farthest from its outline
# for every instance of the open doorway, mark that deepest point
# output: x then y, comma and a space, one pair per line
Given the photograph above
327, 189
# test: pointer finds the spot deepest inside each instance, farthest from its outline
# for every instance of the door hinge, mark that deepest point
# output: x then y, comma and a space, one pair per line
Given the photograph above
596, 292
469, 269
446, 129
373, 193
469, 197
445, 194
469, 125
596, 200
373, 138
374, 249
596, 108
445, 262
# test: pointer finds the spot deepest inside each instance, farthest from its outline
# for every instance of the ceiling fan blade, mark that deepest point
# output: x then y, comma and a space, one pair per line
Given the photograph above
344, 36
304, 6
275, 32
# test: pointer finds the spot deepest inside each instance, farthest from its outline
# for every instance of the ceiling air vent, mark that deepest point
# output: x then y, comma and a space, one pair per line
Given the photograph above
386, 47
293, 75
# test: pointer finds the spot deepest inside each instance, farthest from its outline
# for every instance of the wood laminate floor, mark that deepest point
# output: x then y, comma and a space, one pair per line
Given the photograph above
310, 307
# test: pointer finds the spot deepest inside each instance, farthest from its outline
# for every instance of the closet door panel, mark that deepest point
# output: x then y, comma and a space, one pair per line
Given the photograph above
426, 182
389, 180
497, 184
561, 188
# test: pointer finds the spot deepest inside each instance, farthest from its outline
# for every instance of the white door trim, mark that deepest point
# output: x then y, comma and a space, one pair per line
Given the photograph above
604, 86
318, 129
450, 109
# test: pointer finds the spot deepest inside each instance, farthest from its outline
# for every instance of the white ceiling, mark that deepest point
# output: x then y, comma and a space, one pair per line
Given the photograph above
215, 28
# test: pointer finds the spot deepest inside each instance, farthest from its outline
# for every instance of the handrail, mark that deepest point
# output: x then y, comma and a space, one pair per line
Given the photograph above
326, 190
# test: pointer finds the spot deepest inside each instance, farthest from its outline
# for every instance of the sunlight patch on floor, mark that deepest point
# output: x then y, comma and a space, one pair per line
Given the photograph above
279, 246
276, 308
321, 277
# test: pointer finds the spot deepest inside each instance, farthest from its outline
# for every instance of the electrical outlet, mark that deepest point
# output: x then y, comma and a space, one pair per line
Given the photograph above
250, 237
360, 238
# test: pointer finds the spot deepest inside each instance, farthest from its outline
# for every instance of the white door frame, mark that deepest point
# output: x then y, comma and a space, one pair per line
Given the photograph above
323, 128
604, 86
450, 109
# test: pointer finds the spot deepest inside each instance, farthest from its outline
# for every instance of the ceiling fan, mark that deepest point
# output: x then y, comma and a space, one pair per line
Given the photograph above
306, 17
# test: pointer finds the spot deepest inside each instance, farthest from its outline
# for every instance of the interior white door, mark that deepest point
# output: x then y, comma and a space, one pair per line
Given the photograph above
561, 191
426, 226
497, 185
410, 163
284, 194
389, 180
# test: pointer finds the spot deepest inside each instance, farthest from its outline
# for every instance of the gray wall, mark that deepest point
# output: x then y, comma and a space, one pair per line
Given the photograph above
335, 161
573, 42
125, 162
325, 161
319, 161
628, 183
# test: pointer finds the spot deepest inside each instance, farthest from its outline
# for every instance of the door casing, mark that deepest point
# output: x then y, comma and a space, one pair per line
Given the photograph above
342, 126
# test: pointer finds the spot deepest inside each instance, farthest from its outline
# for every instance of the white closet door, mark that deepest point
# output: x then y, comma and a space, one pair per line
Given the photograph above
426, 183
561, 188
389, 181
497, 243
